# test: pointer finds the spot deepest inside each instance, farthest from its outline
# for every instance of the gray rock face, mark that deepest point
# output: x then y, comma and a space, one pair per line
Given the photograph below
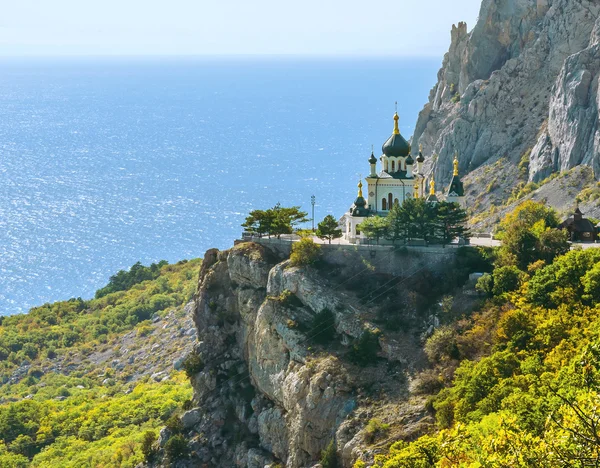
524, 79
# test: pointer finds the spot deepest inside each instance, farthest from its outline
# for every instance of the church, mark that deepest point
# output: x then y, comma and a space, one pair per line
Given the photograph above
399, 178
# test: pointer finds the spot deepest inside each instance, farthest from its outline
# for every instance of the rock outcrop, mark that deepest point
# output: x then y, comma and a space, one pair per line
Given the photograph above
265, 392
523, 81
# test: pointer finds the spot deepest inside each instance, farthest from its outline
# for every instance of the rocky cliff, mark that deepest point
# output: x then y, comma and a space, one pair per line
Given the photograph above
269, 392
522, 86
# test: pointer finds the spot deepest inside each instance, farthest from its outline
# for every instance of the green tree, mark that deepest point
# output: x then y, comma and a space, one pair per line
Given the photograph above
329, 456
305, 252
505, 279
148, 449
552, 243
420, 217
176, 447
274, 221
374, 227
328, 229
451, 222
398, 223
518, 246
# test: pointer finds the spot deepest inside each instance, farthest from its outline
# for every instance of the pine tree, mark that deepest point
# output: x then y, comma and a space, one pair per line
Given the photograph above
328, 229
374, 227
451, 222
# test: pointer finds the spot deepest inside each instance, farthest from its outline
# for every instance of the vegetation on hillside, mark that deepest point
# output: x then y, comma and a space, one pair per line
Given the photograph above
58, 411
521, 376
274, 221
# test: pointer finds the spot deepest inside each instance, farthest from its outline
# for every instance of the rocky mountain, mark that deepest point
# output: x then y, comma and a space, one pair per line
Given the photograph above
520, 88
293, 359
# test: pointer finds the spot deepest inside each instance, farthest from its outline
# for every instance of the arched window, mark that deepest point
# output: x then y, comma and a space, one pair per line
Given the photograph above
390, 200
383, 204
385, 165
396, 202
393, 166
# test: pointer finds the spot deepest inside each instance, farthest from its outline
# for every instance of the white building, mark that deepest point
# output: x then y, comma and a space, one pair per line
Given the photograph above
399, 178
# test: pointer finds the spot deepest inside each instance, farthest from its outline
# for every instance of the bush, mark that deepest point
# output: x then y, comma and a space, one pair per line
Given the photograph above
506, 279
428, 382
176, 447
305, 252
329, 457
323, 327
442, 346
148, 449
364, 350
174, 424
192, 364
375, 428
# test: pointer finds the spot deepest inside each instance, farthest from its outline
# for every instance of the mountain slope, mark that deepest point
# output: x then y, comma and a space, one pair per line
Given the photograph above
523, 86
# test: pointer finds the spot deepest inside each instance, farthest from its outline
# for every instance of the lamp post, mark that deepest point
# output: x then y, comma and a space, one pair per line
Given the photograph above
312, 202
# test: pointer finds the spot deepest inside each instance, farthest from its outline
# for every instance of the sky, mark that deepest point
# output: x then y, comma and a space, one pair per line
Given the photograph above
231, 27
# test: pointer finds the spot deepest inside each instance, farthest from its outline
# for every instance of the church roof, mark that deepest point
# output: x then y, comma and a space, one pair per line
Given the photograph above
393, 175
396, 145
576, 222
359, 208
420, 157
410, 160
456, 186
372, 159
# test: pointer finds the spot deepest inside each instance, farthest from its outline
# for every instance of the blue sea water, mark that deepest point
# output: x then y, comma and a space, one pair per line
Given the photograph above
104, 162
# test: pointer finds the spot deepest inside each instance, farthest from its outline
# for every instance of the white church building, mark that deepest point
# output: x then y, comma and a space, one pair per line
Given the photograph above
399, 178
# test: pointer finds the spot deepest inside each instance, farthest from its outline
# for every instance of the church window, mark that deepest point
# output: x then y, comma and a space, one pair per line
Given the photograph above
383, 204
390, 201
396, 201
393, 166
385, 166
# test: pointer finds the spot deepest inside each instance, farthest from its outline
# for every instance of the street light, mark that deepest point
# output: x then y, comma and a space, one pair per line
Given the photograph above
312, 202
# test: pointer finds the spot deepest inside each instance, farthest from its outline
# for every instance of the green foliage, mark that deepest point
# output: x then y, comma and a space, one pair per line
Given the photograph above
365, 348
418, 219
529, 234
274, 221
323, 327
442, 345
192, 364
328, 229
305, 252
93, 424
176, 448
375, 428
527, 390
329, 456
374, 227
147, 448
124, 280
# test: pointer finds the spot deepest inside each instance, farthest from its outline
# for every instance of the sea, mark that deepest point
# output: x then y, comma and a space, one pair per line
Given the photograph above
105, 162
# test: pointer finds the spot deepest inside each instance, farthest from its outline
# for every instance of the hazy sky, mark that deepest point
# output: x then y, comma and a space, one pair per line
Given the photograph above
131, 27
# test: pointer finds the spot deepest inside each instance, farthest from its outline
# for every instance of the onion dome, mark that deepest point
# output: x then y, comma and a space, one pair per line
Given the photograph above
359, 208
420, 158
410, 161
396, 145
372, 159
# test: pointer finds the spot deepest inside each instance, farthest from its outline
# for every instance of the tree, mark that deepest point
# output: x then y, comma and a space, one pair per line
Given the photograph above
518, 246
529, 213
305, 252
148, 449
328, 229
398, 223
451, 222
329, 456
420, 217
374, 227
506, 279
274, 221
552, 243
176, 447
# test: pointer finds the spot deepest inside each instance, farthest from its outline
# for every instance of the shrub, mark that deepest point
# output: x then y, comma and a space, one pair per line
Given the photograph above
192, 364
174, 424
176, 447
442, 346
364, 350
506, 279
323, 327
428, 382
305, 252
329, 456
375, 428
148, 449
